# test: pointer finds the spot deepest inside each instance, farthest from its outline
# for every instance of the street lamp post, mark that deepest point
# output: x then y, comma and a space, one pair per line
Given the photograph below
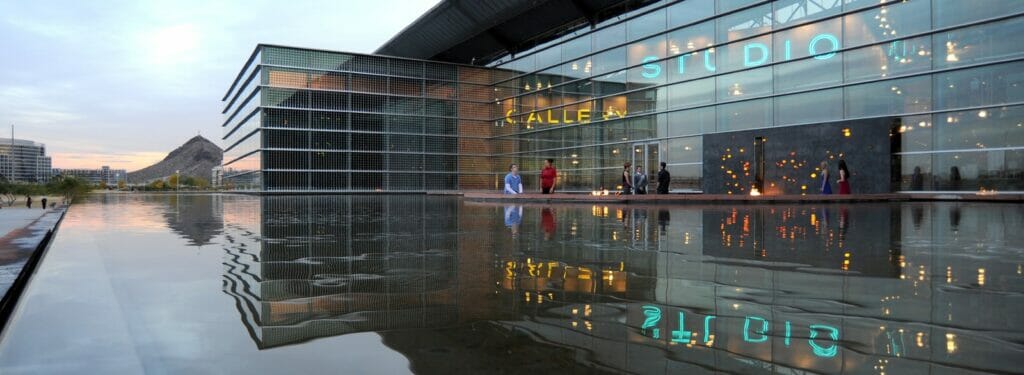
177, 180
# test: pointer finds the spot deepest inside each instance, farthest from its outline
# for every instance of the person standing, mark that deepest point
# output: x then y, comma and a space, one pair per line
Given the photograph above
627, 179
28, 201
513, 181
44, 202
548, 175
640, 181
844, 178
826, 187
664, 179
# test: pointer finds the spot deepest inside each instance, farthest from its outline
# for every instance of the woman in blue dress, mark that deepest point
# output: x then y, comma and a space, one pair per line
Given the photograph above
826, 187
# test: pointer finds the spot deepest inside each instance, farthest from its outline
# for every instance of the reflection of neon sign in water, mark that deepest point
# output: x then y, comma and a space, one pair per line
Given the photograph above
754, 54
822, 339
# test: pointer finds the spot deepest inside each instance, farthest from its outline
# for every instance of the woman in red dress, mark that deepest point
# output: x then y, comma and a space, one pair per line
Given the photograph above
844, 178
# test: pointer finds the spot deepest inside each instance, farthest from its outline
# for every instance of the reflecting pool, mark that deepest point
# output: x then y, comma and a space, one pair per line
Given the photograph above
428, 284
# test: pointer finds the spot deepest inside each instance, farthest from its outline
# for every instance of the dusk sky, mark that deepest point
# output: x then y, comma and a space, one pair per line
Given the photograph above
121, 83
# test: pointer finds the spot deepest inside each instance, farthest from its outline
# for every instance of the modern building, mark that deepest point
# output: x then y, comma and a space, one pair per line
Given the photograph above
24, 161
913, 95
95, 176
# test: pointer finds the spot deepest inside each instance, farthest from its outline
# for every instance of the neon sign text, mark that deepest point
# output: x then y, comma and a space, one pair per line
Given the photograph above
822, 339
822, 47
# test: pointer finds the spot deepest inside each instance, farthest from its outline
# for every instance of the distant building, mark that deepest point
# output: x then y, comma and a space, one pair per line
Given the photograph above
24, 160
217, 176
95, 176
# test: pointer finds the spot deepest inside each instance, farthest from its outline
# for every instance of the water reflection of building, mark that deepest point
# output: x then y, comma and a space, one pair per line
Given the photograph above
745, 290
307, 267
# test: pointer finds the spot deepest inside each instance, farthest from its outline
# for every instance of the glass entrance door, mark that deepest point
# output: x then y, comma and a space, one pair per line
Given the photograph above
647, 155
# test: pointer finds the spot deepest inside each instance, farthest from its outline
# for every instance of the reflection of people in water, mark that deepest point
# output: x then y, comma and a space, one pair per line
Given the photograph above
917, 216
513, 217
954, 178
663, 219
954, 218
844, 222
547, 223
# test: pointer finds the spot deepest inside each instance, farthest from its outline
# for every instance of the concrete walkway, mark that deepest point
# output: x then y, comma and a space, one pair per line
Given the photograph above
738, 199
21, 230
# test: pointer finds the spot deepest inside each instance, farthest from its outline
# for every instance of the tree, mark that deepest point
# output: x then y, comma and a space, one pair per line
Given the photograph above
157, 185
121, 184
70, 188
201, 183
173, 180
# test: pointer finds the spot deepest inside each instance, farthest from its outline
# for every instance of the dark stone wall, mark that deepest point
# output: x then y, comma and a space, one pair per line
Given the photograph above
793, 155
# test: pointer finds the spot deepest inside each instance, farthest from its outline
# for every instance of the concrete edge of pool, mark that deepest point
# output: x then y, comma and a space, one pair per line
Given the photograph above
41, 231
716, 198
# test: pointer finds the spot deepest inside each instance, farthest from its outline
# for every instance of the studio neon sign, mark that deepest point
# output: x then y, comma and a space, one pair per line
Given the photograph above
822, 339
821, 46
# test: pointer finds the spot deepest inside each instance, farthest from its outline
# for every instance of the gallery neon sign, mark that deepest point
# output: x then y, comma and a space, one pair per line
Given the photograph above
754, 54
555, 117
822, 339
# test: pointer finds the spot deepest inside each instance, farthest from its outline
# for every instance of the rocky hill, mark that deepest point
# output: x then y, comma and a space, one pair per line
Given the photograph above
195, 158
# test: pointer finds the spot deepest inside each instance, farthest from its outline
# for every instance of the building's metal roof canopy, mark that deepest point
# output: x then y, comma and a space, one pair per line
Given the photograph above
478, 31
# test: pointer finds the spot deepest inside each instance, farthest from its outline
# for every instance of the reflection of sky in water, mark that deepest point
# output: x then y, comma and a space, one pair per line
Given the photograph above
207, 283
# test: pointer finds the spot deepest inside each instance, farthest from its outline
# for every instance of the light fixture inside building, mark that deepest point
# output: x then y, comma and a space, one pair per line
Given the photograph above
736, 90
689, 45
983, 113
951, 52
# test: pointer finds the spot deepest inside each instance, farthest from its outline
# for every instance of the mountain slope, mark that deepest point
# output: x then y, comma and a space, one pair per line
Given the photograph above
195, 158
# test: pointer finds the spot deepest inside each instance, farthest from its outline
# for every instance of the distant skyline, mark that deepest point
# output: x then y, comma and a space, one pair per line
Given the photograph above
122, 83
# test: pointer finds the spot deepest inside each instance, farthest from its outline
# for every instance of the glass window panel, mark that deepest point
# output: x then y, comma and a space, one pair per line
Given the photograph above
549, 57
820, 40
898, 96
993, 41
727, 5
745, 115
691, 65
692, 93
815, 106
686, 177
808, 74
745, 84
988, 128
915, 172
789, 12
691, 38
849, 5
994, 84
646, 50
690, 122
576, 48
895, 58
648, 24
973, 171
955, 12
683, 150
753, 21
886, 22
915, 133
744, 54
608, 61
689, 11
609, 36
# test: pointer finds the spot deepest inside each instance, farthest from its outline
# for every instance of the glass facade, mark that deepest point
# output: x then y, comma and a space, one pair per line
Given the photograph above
643, 88
24, 161
300, 120
948, 72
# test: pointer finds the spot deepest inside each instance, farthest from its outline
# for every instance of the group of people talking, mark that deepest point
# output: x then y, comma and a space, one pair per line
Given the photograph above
632, 182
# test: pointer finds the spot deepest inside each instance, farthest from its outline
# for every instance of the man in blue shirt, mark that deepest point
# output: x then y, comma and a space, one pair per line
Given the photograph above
513, 181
